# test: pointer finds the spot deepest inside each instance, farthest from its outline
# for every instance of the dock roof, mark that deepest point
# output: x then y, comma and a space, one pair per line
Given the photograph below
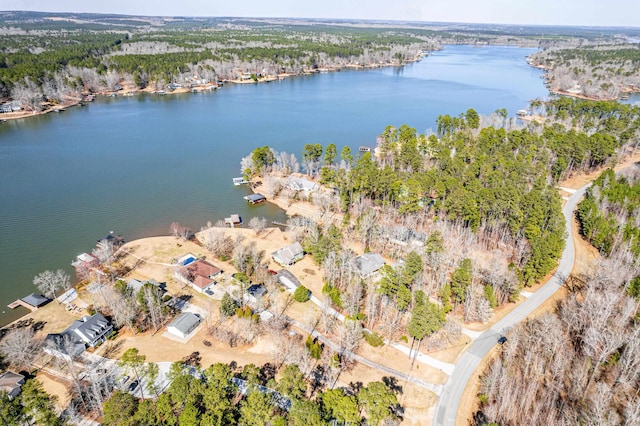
35, 300
254, 198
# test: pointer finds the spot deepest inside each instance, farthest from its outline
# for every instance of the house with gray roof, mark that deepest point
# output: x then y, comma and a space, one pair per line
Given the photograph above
134, 286
88, 330
184, 324
368, 264
288, 255
301, 184
11, 383
63, 345
92, 330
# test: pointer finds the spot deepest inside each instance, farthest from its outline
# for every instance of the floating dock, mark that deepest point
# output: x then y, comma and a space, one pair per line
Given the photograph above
237, 181
233, 220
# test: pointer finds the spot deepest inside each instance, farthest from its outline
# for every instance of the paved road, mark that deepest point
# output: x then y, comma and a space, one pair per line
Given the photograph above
449, 401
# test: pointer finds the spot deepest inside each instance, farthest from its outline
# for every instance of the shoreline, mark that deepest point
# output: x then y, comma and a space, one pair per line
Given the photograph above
624, 91
132, 91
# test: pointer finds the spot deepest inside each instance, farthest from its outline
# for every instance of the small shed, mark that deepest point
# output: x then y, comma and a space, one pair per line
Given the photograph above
255, 198
184, 324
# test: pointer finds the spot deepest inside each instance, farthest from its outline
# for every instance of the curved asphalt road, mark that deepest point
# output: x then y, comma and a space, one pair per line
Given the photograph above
449, 401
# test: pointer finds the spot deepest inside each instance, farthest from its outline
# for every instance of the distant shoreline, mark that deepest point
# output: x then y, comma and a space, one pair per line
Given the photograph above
131, 91
624, 91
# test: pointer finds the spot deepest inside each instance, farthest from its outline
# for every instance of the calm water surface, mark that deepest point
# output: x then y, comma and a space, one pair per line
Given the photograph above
134, 165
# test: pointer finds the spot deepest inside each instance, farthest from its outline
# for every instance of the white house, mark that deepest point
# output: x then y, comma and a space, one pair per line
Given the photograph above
302, 184
288, 255
200, 274
184, 324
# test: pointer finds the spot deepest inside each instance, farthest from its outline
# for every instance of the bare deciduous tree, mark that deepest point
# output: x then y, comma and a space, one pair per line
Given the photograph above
19, 347
49, 282
258, 224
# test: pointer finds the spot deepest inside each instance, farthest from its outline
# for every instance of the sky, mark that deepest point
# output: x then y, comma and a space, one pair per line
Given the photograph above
536, 12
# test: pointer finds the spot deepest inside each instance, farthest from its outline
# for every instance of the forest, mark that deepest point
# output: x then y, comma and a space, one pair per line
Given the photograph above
471, 210
603, 71
580, 364
57, 57
213, 397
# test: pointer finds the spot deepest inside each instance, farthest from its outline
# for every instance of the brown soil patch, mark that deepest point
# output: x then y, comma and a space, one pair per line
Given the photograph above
55, 388
451, 353
399, 361
418, 403
158, 349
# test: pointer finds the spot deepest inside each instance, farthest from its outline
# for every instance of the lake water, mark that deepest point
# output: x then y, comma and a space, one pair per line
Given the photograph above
134, 165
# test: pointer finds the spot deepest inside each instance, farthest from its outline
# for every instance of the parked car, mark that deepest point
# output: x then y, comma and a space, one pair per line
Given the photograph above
133, 386
502, 340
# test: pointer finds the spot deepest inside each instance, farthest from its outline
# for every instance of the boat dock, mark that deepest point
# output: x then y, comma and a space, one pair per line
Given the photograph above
255, 198
32, 302
237, 181
233, 220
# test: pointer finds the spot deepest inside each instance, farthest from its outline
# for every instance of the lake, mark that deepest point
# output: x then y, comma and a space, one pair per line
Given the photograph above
136, 164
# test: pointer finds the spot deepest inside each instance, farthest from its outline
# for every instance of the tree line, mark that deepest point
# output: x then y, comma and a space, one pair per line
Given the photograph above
580, 363
225, 395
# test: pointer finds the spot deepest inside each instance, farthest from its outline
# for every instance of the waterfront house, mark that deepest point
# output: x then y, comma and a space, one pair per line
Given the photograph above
368, 264
288, 255
92, 330
255, 198
200, 275
87, 331
63, 345
301, 184
11, 383
184, 324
